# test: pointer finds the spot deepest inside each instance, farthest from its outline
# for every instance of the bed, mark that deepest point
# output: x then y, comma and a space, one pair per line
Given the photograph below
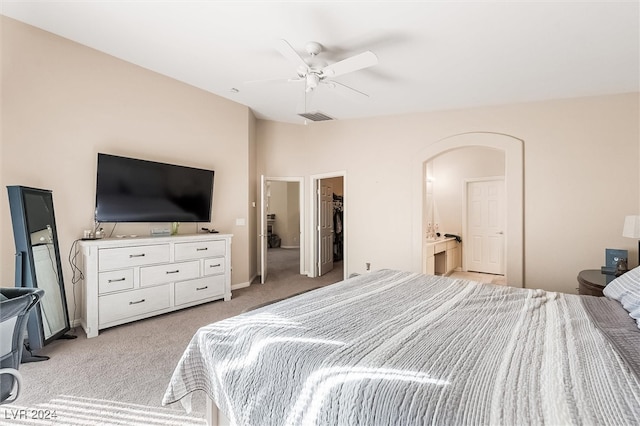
400, 348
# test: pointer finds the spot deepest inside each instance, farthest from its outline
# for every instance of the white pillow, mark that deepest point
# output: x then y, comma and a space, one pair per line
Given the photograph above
635, 314
626, 290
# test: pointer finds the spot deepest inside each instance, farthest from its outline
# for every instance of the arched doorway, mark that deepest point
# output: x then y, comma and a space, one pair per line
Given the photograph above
514, 186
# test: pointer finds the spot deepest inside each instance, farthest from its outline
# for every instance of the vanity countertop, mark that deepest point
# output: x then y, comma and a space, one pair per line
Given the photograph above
438, 240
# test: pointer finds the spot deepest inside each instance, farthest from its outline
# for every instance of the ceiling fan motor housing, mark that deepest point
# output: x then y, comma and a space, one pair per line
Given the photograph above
313, 48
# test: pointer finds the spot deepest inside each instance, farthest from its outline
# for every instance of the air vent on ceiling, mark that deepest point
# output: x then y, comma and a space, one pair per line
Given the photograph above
315, 116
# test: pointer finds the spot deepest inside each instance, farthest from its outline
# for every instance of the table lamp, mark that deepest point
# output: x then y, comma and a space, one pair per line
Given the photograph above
631, 229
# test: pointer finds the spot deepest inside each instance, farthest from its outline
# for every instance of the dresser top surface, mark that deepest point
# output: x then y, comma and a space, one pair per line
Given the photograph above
132, 240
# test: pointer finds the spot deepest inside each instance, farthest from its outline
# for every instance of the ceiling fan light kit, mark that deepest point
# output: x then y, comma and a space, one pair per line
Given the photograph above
313, 80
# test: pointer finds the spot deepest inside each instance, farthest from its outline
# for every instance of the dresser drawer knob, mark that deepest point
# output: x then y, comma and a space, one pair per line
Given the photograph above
173, 272
217, 265
135, 303
202, 249
136, 255
115, 280
202, 288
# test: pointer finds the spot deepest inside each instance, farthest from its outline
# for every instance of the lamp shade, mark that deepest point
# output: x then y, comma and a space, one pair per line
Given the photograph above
631, 227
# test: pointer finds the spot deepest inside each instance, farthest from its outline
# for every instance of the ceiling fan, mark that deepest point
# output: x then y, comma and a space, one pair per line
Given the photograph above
314, 71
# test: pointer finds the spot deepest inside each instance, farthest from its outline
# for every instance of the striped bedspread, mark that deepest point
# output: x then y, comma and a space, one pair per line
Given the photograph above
398, 348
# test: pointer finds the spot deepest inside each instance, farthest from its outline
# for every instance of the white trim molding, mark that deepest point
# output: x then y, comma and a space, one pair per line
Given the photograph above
513, 149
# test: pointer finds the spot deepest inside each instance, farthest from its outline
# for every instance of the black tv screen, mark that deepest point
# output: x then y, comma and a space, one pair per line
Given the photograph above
133, 190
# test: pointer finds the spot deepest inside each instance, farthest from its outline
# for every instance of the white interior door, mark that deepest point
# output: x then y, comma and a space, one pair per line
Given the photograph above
325, 228
263, 229
485, 226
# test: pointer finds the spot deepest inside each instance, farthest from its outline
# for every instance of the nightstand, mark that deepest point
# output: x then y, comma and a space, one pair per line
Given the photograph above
592, 282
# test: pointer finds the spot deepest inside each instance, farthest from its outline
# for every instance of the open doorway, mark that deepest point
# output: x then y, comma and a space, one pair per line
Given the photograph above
282, 238
512, 148
464, 197
329, 226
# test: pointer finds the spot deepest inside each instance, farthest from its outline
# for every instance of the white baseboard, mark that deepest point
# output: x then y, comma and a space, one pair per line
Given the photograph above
290, 247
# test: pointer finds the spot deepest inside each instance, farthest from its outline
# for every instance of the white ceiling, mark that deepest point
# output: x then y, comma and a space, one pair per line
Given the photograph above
432, 55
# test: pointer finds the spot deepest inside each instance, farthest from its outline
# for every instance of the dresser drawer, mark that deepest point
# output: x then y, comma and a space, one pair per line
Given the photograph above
202, 288
214, 266
117, 306
452, 244
125, 257
159, 274
199, 249
111, 281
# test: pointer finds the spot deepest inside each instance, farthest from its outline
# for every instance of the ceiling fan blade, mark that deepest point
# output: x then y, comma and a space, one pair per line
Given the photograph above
354, 63
290, 53
345, 90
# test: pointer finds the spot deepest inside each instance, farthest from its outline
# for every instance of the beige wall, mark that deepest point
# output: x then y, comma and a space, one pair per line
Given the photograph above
450, 172
581, 177
63, 103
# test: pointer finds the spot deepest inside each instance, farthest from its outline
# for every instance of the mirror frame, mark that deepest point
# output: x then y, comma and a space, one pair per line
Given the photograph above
27, 275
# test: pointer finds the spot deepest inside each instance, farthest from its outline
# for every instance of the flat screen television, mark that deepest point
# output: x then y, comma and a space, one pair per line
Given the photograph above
134, 190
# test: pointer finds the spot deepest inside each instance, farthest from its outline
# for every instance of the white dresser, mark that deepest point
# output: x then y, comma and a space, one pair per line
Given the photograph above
127, 279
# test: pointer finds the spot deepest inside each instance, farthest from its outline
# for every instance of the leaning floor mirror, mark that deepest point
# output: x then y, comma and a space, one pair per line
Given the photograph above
38, 265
